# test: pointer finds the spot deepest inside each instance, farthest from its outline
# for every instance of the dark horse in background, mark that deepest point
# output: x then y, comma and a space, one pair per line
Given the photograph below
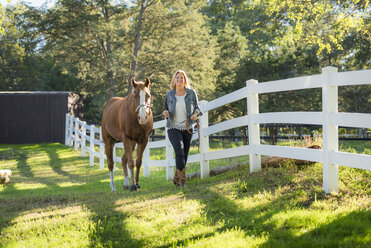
128, 120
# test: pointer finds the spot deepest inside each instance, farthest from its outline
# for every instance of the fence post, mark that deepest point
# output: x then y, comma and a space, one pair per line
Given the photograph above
204, 141
66, 142
92, 150
254, 129
76, 136
330, 132
71, 130
101, 150
169, 157
146, 161
83, 140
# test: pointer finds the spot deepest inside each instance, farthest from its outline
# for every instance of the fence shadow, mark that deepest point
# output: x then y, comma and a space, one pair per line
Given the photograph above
56, 165
108, 228
257, 221
345, 231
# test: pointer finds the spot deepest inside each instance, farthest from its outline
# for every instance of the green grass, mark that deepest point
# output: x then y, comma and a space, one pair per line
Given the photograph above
55, 199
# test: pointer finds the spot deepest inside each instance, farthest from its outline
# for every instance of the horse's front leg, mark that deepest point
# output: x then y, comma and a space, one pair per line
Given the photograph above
109, 144
138, 162
128, 157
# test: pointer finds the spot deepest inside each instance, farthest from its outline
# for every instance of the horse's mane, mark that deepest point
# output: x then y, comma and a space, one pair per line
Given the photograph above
130, 96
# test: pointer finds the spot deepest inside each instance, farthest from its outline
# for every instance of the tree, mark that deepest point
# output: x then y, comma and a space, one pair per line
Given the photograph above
231, 49
89, 39
97, 40
22, 67
86, 34
268, 55
95, 46
321, 23
2, 17
143, 5
175, 37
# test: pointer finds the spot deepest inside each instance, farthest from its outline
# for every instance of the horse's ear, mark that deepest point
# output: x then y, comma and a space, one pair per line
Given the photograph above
148, 82
133, 83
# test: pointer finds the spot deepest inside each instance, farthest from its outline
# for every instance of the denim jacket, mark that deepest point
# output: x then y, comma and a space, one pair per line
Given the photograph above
191, 101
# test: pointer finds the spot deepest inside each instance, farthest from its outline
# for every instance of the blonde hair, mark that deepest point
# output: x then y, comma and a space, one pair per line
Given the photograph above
187, 83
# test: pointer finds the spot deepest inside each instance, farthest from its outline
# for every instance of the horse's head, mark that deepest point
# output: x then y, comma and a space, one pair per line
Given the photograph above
142, 100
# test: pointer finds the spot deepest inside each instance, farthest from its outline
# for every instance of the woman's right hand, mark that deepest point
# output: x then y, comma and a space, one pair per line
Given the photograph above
166, 113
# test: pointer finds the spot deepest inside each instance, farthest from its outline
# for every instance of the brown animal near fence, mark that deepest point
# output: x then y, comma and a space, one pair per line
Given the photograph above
5, 176
128, 120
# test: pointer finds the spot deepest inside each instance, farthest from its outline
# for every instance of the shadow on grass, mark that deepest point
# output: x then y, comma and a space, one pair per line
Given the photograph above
56, 165
348, 230
108, 228
22, 165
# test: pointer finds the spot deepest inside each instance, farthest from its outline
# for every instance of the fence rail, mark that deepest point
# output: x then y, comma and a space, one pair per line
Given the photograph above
78, 133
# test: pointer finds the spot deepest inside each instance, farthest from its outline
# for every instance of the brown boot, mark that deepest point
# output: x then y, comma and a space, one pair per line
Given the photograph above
177, 176
182, 180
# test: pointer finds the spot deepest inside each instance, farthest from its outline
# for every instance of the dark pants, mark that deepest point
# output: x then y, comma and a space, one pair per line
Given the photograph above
181, 142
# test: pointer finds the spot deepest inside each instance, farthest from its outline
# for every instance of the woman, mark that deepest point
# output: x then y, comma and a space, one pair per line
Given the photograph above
181, 110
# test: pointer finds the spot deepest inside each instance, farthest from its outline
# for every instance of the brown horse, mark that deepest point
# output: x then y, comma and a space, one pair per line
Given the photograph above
128, 120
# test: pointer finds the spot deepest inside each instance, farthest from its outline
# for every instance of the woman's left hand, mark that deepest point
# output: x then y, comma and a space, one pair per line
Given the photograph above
194, 117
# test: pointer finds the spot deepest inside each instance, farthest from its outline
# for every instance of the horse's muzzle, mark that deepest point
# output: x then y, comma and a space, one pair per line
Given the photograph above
143, 120
143, 114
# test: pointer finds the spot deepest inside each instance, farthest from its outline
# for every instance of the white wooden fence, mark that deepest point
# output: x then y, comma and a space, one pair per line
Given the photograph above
330, 119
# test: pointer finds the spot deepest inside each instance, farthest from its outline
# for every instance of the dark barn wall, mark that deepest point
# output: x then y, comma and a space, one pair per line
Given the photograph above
32, 117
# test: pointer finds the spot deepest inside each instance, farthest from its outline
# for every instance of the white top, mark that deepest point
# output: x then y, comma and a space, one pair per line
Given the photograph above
180, 113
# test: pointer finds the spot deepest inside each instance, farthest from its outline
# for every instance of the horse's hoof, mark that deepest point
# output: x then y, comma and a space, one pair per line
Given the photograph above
133, 187
114, 189
125, 187
138, 186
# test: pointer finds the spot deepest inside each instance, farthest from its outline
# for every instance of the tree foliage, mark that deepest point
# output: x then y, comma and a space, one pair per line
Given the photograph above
94, 47
22, 67
176, 38
321, 23
2, 17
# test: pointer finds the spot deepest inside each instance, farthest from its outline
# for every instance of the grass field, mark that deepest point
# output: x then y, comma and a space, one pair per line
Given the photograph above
55, 199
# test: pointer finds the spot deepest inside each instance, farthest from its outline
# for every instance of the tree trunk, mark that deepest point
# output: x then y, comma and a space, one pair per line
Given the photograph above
112, 91
244, 136
219, 170
110, 71
273, 132
110, 74
136, 46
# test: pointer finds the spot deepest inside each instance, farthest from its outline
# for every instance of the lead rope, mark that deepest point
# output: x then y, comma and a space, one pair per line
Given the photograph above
198, 131
157, 116
186, 121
